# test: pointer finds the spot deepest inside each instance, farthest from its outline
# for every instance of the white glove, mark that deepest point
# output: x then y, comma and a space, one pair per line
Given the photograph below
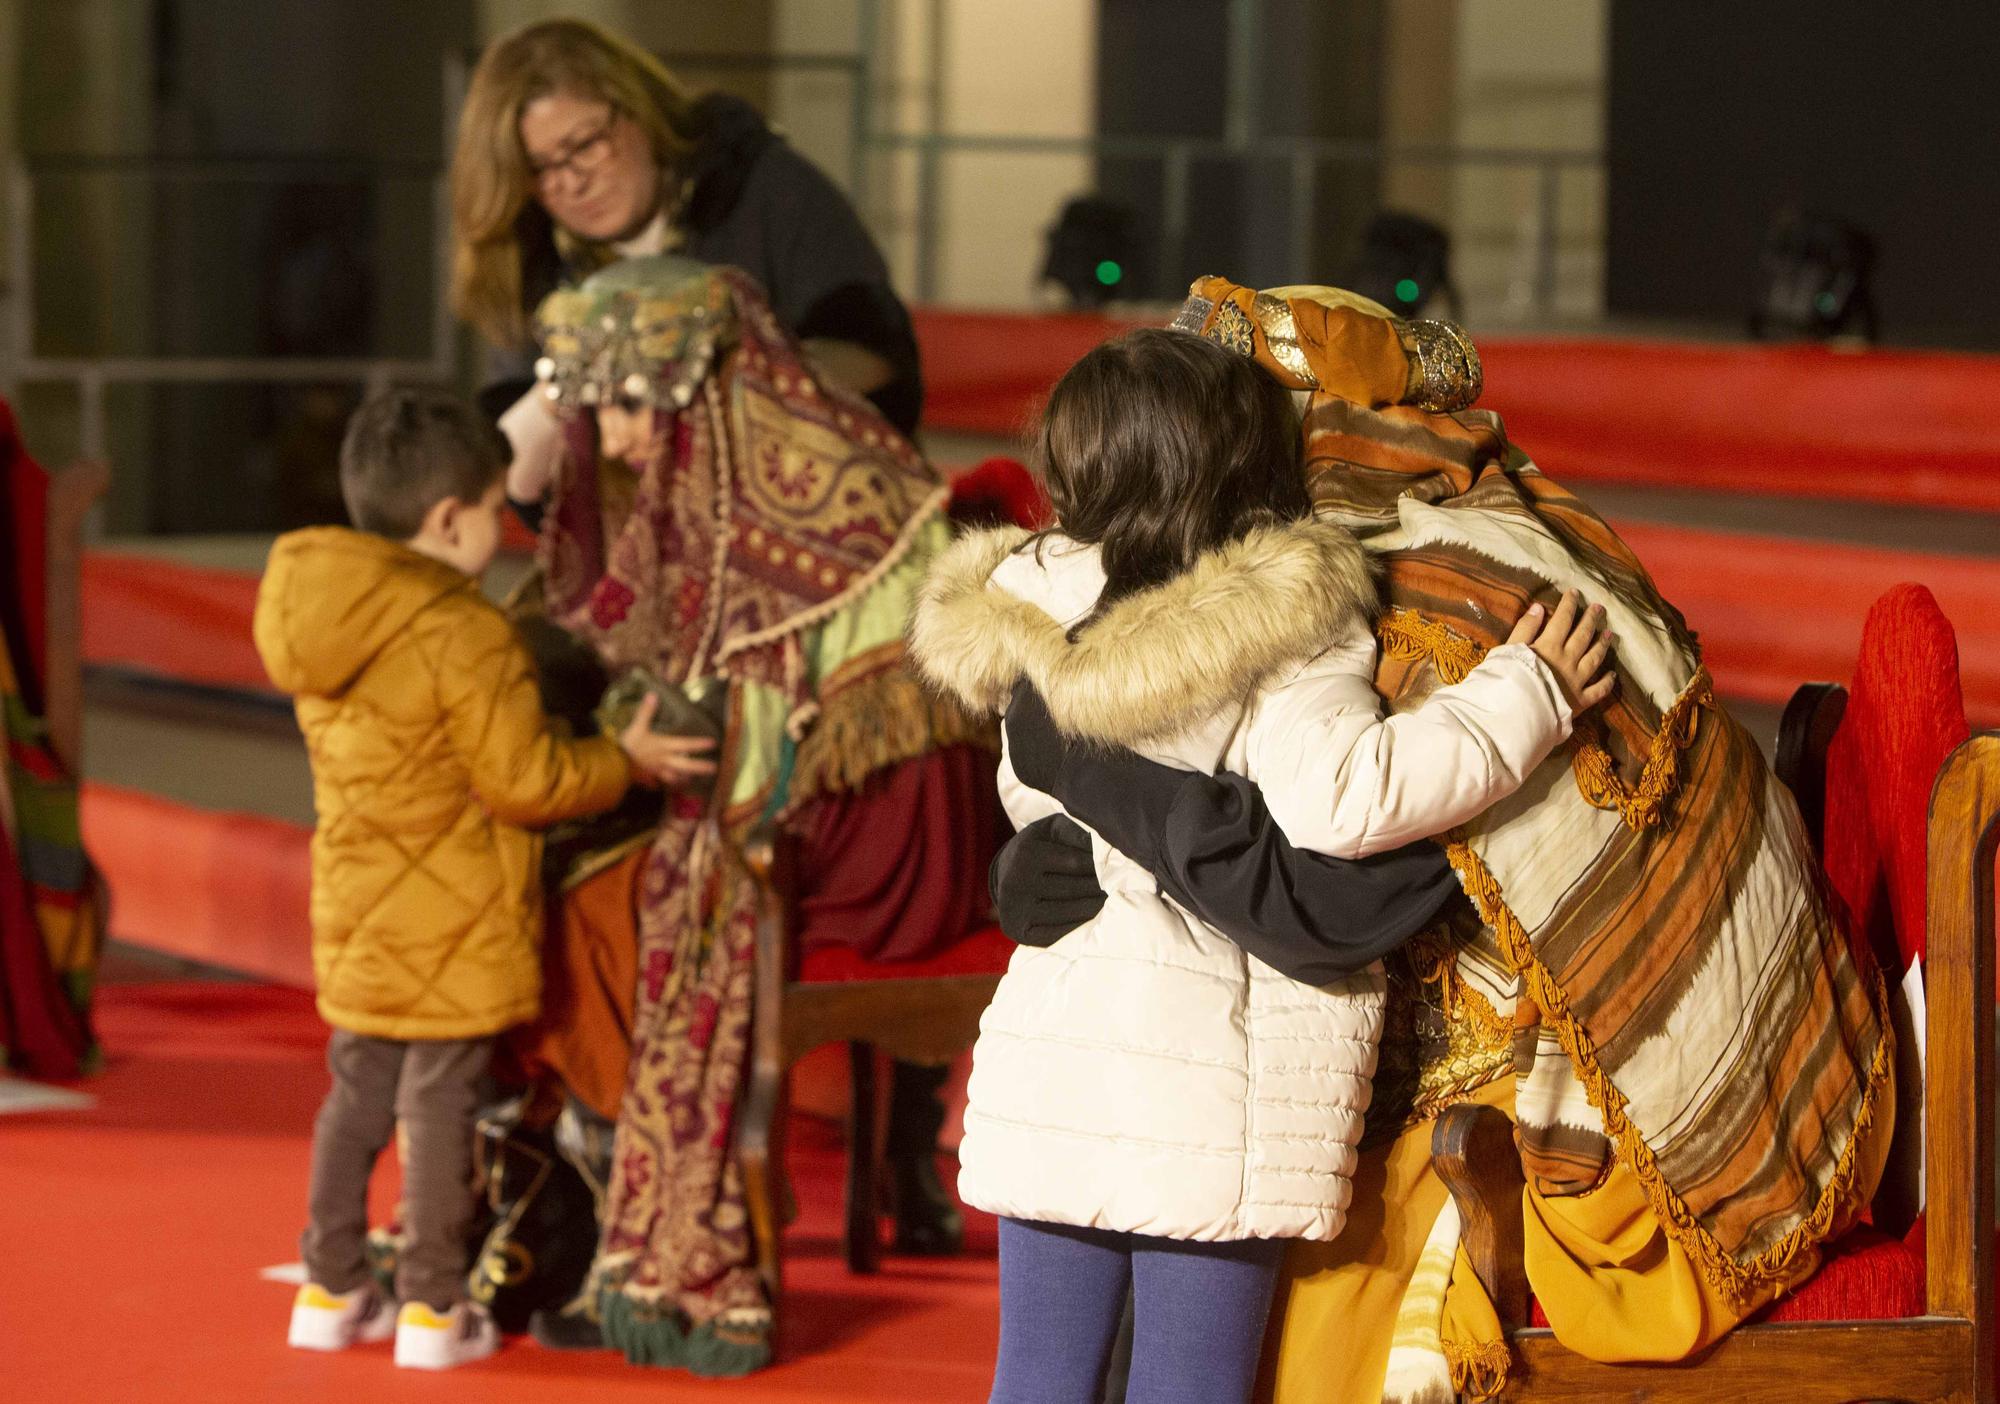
536, 436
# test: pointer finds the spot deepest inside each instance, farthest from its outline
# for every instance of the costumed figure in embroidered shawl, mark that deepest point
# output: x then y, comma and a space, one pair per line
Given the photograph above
51, 897
728, 526
1647, 976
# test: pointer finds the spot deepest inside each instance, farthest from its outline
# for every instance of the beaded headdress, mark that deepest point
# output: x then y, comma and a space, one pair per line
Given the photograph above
645, 330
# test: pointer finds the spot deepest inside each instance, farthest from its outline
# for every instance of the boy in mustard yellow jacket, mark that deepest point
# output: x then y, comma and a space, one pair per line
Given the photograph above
433, 765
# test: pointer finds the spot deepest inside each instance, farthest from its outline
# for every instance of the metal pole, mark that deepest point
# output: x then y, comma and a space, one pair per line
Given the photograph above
863, 98
444, 326
1305, 179
927, 164
20, 345
1239, 122
1173, 218
1545, 245
90, 415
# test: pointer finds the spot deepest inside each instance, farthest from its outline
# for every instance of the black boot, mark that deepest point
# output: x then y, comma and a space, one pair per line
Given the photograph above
568, 1329
928, 1223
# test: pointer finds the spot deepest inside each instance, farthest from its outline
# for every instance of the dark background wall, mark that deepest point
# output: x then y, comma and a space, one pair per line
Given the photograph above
1882, 115
1163, 71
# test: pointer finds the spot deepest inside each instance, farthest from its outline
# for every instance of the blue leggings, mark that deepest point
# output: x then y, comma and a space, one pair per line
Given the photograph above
1199, 1314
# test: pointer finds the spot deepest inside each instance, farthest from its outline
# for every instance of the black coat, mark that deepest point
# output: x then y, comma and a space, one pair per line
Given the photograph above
757, 205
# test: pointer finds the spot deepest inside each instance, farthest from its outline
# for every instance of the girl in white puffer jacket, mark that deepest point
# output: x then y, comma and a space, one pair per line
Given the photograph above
1149, 1105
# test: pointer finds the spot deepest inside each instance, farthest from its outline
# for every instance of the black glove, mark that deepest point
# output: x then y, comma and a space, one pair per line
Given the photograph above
1044, 883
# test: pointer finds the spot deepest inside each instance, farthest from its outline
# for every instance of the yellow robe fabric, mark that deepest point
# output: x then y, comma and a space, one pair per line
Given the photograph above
1614, 1285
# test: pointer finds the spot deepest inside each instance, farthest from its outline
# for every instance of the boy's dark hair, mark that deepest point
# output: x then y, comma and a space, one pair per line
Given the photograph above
1159, 446
408, 450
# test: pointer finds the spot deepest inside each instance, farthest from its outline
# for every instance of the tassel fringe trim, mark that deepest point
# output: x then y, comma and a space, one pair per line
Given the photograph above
1478, 1371
1413, 637
1735, 1278
874, 723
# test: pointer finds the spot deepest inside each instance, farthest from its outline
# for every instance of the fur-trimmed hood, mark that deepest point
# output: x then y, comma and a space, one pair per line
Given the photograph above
1156, 663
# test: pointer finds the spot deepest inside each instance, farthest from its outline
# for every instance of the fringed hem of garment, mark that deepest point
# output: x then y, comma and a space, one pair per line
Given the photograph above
874, 723
1478, 1370
737, 1342
1737, 1279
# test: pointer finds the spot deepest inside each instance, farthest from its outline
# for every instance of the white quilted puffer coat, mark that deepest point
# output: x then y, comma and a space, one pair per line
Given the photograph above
1143, 1074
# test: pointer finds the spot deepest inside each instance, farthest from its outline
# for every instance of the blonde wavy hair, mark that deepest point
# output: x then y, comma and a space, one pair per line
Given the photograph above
493, 207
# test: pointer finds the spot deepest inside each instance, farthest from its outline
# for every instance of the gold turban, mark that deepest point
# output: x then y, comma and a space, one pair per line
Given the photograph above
1338, 343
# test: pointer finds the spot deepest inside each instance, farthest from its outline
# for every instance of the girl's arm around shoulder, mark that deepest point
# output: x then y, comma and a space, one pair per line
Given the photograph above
1340, 778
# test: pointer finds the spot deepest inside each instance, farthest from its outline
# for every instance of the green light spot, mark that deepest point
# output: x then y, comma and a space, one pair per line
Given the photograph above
1407, 290
1109, 273
1826, 303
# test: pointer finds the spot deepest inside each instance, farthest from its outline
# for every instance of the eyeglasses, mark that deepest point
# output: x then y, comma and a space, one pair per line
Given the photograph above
587, 153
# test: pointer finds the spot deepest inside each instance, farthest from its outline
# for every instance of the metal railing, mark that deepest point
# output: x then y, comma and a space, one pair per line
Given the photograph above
1304, 157
22, 363
1306, 161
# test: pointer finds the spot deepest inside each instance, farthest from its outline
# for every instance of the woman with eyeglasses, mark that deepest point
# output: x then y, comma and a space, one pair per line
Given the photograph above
576, 150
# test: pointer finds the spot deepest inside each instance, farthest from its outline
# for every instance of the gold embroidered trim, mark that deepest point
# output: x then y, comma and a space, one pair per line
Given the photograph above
1735, 1279
1231, 328
1642, 805
1445, 373
1281, 334
1478, 1371
1408, 635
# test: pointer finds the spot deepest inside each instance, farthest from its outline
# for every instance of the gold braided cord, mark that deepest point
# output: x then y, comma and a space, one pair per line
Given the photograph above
1414, 637
1417, 638
1478, 1370
1643, 804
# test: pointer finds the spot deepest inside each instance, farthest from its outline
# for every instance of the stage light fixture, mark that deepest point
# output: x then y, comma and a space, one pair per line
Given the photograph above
1404, 264
1814, 280
1093, 251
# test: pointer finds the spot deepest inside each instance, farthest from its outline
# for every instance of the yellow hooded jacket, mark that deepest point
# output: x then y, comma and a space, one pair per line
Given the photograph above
432, 762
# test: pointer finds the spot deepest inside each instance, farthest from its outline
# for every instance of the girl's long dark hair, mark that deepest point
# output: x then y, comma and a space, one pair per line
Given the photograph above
1159, 446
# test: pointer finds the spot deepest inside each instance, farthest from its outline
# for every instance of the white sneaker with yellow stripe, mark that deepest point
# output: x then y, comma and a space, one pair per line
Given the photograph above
427, 1339
323, 1320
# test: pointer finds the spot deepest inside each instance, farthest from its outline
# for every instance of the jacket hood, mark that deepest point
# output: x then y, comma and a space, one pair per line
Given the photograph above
1156, 663
332, 599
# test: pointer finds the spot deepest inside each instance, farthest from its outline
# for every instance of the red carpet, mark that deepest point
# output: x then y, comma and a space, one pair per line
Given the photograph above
134, 1233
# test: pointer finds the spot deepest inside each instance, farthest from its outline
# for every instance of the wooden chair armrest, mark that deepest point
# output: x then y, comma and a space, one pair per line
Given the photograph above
1473, 1148
764, 855
1959, 1061
1804, 734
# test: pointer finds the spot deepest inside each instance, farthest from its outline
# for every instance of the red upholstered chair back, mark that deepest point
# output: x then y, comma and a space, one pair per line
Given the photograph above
1905, 714
1000, 491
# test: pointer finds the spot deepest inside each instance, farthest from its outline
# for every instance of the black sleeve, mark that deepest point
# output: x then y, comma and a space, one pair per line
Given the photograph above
1210, 842
828, 279
508, 375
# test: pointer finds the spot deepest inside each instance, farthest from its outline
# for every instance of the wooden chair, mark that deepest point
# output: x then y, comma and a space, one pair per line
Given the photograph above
1946, 1354
912, 1010
923, 1012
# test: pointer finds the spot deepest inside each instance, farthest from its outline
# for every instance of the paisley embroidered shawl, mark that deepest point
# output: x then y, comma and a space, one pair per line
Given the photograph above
776, 538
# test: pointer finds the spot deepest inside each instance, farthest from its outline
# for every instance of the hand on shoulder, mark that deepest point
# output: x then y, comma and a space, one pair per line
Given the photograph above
1575, 645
